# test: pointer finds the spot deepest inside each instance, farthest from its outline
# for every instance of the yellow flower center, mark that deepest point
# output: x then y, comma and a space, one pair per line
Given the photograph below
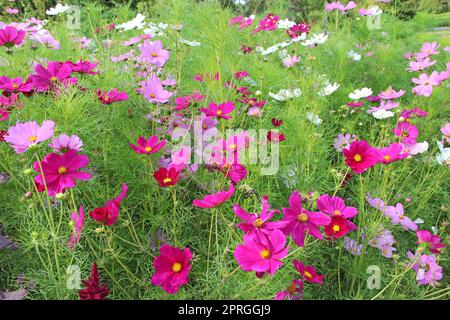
336, 228
32, 138
106, 98
265, 254
15, 85
148, 149
387, 157
258, 223
154, 54
53, 79
176, 267
167, 180
219, 112
337, 213
302, 217
308, 275
357, 157
152, 95
62, 170
233, 146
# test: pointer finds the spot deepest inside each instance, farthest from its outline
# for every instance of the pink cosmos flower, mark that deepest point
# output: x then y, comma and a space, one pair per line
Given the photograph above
85, 67
426, 83
63, 143
446, 132
152, 52
308, 273
111, 96
12, 11
236, 172
431, 241
50, 78
420, 65
215, 199
392, 153
15, 85
149, 146
300, 221
10, 36
4, 114
360, 156
427, 50
109, 213
293, 292
390, 94
172, 268
153, 90
406, 131
297, 30
219, 111
397, 216
180, 158
78, 223
355, 104
267, 23
262, 255
23, 135
59, 171
258, 226
343, 141
335, 206
184, 102
426, 267
290, 61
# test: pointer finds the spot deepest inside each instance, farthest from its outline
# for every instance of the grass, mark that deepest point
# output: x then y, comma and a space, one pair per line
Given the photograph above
308, 161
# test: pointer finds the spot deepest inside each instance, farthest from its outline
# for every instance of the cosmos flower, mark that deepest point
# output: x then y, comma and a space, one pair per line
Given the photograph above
15, 85
430, 241
397, 216
93, 289
425, 84
360, 156
109, 213
420, 65
54, 75
221, 111
406, 131
153, 90
26, 134
390, 94
300, 221
111, 96
426, 268
77, 220
308, 273
172, 268
149, 146
152, 52
335, 206
392, 153
360, 93
10, 37
63, 143
215, 199
58, 9
166, 177
262, 255
59, 172
293, 292
343, 141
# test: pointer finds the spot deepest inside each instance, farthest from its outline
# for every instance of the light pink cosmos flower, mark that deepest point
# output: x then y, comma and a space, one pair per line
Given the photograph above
397, 216
59, 172
289, 61
78, 223
335, 206
153, 90
258, 226
384, 105
426, 267
262, 255
63, 143
215, 199
301, 221
23, 135
343, 141
152, 52
220, 111
390, 94
426, 83
446, 132
427, 50
420, 65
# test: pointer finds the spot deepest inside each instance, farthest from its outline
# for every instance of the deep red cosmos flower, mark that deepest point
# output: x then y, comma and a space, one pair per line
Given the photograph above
166, 177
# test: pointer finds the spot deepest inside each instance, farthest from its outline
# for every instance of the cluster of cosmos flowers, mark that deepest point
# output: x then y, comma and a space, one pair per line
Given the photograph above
265, 234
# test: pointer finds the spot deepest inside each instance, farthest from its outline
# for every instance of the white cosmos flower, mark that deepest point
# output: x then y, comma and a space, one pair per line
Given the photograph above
240, 2
382, 114
285, 24
416, 148
443, 158
314, 118
190, 43
355, 56
59, 8
360, 93
320, 38
286, 94
267, 51
136, 23
328, 89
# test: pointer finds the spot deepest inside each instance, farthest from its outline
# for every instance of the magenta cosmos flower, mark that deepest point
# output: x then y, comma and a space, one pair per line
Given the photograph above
426, 83
431, 241
308, 272
56, 74
153, 90
392, 153
220, 111
109, 213
77, 220
335, 206
111, 96
172, 268
293, 292
258, 226
10, 37
406, 131
149, 146
300, 221
152, 52
215, 199
262, 256
15, 85
59, 172
426, 268
23, 135
360, 156
63, 143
